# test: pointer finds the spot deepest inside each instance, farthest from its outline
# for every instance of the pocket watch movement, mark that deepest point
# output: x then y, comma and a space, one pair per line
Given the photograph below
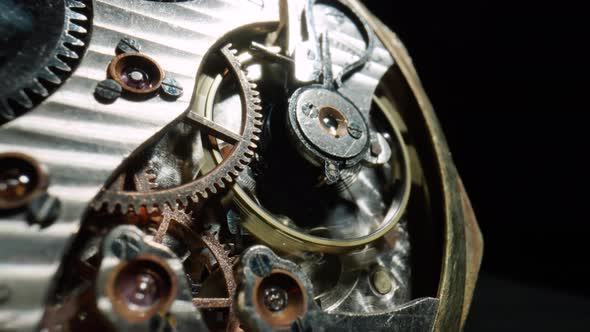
216, 165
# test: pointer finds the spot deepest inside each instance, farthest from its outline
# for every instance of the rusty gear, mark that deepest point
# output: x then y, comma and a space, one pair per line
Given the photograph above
211, 182
223, 261
225, 265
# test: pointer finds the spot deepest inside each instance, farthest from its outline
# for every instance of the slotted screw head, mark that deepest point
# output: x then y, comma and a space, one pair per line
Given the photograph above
355, 130
43, 210
107, 91
128, 45
171, 88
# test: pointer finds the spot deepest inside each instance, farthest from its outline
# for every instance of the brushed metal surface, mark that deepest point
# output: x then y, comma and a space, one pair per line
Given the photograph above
81, 141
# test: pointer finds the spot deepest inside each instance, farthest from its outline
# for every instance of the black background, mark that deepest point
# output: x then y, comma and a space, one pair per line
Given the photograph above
508, 81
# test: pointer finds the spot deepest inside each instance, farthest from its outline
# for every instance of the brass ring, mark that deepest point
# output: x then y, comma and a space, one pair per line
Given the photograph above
150, 73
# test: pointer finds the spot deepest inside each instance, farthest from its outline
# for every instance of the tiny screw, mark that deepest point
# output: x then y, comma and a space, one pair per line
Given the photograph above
125, 247
128, 45
310, 110
43, 210
381, 281
376, 149
355, 130
107, 91
260, 265
171, 88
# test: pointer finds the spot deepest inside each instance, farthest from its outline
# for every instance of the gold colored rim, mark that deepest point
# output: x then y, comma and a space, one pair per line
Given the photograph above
271, 231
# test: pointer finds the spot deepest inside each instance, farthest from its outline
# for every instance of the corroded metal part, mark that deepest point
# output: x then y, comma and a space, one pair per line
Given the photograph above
133, 304
226, 264
219, 177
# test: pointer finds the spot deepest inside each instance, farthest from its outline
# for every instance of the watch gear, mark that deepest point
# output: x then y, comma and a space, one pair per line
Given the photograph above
41, 43
215, 179
225, 264
203, 267
348, 165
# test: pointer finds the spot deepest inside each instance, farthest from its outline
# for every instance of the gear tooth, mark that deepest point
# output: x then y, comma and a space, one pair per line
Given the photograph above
253, 85
49, 76
220, 184
183, 201
22, 99
111, 208
235, 173
77, 28
6, 112
96, 205
204, 194
72, 40
75, 4
38, 88
152, 208
64, 51
245, 161
72, 15
57, 63
212, 190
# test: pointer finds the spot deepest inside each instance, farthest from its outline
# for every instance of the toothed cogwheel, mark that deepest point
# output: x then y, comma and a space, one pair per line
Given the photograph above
244, 145
41, 42
217, 261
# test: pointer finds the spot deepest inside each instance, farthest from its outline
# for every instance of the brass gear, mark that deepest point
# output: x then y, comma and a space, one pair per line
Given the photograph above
217, 178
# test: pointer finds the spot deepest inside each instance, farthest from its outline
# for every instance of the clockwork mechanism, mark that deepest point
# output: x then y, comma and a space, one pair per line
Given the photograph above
223, 166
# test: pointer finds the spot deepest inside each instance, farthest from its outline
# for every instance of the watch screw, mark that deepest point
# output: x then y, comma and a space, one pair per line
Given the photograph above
43, 210
107, 91
171, 88
355, 130
310, 110
128, 45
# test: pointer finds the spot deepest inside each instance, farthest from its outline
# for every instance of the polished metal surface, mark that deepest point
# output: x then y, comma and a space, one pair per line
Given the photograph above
82, 141
337, 142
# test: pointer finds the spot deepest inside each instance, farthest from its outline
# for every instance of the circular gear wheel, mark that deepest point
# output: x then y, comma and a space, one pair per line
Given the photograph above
225, 264
239, 156
41, 42
217, 260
